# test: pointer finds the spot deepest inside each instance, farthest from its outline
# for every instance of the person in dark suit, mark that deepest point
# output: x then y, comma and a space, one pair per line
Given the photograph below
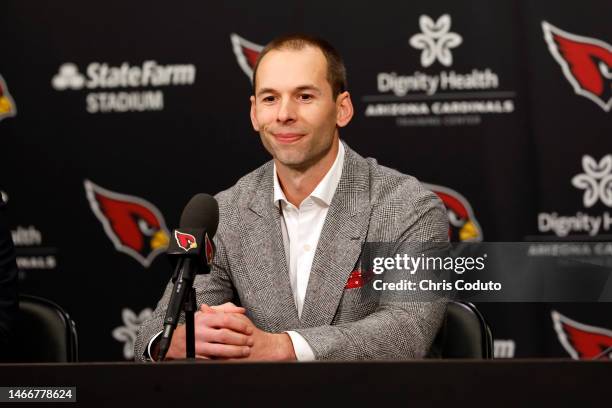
8, 284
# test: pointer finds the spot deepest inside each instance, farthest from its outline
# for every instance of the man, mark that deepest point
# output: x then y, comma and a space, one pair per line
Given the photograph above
291, 232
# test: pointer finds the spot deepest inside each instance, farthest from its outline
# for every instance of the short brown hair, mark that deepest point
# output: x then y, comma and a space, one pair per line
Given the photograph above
336, 71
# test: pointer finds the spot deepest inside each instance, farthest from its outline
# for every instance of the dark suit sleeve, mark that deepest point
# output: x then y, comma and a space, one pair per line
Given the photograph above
8, 283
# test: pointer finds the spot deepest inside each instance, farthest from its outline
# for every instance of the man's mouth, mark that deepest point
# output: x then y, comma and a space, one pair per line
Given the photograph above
287, 137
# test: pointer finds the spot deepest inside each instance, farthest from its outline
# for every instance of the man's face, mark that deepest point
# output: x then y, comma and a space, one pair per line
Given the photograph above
293, 109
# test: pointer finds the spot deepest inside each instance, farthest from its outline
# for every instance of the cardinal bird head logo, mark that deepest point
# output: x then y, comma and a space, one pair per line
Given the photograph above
463, 224
7, 105
185, 241
586, 63
134, 225
246, 53
581, 341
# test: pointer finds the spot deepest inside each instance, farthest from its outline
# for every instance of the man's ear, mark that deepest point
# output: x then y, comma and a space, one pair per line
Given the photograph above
254, 121
345, 109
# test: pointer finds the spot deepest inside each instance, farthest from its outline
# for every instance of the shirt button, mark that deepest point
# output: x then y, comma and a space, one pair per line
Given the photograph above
306, 247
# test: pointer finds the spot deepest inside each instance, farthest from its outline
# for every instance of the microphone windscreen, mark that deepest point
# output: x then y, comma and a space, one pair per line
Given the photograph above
202, 211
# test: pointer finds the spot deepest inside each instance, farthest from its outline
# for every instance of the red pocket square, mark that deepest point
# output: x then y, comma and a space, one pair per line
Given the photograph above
357, 279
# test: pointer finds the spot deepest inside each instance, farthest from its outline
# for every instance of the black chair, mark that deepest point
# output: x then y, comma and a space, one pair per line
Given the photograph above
44, 333
464, 333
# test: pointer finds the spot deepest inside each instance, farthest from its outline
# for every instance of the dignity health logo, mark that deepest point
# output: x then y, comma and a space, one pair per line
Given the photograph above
128, 332
438, 97
596, 181
435, 40
101, 75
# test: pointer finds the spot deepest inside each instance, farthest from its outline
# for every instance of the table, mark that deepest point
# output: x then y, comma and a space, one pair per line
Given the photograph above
493, 383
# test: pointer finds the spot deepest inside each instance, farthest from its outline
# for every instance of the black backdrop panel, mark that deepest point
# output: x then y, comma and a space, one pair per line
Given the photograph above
114, 115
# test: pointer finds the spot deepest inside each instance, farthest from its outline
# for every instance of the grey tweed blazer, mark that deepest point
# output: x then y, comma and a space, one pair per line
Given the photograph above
372, 204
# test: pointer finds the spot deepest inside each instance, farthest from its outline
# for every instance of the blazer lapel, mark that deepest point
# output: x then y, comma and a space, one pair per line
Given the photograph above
264, 252
340, 243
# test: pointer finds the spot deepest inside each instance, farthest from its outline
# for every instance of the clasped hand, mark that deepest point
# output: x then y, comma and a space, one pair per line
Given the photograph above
225, 332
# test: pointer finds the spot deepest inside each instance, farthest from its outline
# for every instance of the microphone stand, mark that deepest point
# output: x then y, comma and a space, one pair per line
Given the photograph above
187, 265
189, 307
185, 302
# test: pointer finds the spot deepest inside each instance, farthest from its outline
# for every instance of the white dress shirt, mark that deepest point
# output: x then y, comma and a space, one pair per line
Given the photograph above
301, 231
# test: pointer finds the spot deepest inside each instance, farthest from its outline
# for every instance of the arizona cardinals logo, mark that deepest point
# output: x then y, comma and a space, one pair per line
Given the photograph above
185, 241
463, 224
246, 53
586, 63
581, 340
7, 105
134, 225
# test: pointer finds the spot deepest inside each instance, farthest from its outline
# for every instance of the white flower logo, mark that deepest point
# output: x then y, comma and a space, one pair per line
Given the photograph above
127, 333
596, 180
436, 40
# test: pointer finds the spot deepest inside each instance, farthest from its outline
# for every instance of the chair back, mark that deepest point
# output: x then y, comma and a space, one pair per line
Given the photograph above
464, 333
44, 332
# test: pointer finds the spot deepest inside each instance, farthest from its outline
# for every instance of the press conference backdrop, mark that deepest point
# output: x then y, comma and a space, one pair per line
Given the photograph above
112, 115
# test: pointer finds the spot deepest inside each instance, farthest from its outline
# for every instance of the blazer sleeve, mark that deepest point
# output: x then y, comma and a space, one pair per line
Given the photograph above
213, 289
396, 330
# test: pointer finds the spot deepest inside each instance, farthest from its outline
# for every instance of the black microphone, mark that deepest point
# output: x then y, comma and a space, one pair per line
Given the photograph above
190, 251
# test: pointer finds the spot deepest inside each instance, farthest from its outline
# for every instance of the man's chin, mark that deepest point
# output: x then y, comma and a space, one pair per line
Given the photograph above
293, 162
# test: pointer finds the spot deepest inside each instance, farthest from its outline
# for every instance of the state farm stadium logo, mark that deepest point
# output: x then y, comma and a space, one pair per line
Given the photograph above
582, 341
585, 62
463, 225
7, 104
123, 88
134, 225
595, 182
504, 348
436, 94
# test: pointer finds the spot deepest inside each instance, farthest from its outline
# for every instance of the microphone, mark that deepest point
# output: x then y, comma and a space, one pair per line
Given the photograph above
190, 251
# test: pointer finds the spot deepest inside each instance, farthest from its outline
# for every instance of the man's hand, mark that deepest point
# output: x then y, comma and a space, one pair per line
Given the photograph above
265, 346
271, 347
220, 332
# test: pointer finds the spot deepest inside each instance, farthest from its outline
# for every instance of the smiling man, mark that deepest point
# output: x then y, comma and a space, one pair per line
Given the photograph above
291, 232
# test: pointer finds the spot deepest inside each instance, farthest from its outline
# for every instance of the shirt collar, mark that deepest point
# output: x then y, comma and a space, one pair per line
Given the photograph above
324, 191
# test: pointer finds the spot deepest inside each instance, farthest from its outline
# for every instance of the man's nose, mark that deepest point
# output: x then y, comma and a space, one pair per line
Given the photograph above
286, 110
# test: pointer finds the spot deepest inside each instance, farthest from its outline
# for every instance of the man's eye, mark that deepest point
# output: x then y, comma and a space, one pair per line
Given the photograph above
268, 98
305, 97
